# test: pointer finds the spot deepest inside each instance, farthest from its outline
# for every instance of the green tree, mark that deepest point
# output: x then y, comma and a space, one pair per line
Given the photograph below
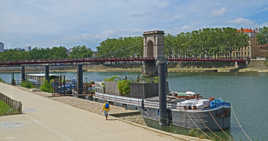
81, 52
46, 87
58, 53
262, 36
124, 87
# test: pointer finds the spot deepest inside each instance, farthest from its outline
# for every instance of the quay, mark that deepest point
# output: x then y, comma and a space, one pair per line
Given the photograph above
44, 119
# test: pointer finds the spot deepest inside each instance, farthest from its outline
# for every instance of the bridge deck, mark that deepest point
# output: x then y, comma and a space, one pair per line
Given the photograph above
103, 60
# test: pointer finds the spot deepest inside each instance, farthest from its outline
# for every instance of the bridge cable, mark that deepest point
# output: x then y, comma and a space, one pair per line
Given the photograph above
240, 126
198, 126
210, 130
219, 125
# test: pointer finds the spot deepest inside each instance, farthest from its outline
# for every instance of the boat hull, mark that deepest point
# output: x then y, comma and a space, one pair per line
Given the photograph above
213, 119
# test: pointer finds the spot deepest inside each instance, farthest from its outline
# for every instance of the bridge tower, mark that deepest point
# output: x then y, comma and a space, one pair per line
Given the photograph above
153, 48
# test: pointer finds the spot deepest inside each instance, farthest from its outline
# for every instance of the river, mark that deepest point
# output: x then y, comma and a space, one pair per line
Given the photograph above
247, 92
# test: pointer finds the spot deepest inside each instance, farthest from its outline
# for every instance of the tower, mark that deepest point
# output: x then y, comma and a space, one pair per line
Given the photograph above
153, 48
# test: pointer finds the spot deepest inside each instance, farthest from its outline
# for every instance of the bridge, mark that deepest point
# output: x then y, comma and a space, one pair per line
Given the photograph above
154, 64
130, 59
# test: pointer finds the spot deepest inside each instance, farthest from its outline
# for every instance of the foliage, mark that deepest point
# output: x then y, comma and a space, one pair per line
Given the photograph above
149, 79
262, 36
124, 87
113, 78
1, 80
46, 87
122, 47
27, 84
5, 109
206, 42
45, 53
266, 63
81, 52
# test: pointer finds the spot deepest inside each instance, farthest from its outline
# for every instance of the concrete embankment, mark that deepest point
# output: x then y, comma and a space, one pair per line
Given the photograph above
45, 119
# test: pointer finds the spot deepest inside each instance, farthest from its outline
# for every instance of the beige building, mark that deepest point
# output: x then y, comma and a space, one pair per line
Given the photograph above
248, 51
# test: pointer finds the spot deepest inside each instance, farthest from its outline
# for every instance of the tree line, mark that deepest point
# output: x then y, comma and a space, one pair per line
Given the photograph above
207, 42
46, 53
204, 43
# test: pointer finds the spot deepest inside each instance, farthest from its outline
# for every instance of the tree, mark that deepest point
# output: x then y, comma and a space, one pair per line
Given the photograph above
58, 53
262, 36
81, 52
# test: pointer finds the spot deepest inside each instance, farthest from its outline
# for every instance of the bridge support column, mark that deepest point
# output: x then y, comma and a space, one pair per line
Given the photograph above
149, 68
79, 79
23, 73
13, 81
162, 72
236, 65
47, 73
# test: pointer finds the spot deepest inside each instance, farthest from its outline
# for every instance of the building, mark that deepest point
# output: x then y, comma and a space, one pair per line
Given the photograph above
261, 51
19, 49
248, 51
2, 47
29, 48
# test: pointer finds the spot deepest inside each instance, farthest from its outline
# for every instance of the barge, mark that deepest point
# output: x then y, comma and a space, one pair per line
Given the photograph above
185, 109
194, 113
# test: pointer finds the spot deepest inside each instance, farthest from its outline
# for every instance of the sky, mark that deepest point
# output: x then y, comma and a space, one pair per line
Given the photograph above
48, 23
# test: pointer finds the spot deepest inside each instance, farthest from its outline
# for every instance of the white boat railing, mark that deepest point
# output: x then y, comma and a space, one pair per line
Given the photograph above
129, 101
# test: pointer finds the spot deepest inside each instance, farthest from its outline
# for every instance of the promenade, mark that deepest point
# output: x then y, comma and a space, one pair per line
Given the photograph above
48, 120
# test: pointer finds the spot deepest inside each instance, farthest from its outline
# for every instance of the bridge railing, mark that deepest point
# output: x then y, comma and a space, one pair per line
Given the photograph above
129, 59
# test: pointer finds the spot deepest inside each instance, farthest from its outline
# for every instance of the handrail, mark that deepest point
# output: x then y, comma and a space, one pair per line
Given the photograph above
129, 59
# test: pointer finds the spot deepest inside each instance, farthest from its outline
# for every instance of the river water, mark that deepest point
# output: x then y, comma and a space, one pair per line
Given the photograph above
247, 92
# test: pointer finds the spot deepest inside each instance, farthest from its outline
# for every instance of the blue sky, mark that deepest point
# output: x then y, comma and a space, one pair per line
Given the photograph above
47, 23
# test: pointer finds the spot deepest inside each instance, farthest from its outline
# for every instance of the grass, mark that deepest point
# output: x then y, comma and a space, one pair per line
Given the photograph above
27, 84
46, 87
1, 80
5, 109
191, 132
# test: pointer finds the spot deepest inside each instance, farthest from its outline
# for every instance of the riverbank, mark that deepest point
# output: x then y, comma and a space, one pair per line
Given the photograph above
95, 107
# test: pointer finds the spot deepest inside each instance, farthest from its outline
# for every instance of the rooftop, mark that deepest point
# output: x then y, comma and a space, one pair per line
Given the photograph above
246, 30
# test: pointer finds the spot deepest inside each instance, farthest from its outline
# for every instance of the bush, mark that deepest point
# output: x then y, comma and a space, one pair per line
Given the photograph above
124, 87
266, 63
113, 78
149, 79
27, 84
46, 87
1, 80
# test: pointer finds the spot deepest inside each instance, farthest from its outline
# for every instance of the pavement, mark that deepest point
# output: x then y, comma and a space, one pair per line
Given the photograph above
44, 119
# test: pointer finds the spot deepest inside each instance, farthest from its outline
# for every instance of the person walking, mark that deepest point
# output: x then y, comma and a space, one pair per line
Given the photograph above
106, 109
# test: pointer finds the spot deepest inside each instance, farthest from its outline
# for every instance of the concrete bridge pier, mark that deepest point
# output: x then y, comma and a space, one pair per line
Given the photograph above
13, 81
162, 72
47, 73
236, 65
23, 73
79, 79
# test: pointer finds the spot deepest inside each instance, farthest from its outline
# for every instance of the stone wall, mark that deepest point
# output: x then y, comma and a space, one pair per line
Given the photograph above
137, 90
143, 90
258, 64
111, 88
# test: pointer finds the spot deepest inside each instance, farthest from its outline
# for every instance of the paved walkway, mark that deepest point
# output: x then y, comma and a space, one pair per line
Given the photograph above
48, 120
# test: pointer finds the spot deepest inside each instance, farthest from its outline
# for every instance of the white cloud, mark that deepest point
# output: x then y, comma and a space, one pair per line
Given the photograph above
241, 21
90, 21
219, 12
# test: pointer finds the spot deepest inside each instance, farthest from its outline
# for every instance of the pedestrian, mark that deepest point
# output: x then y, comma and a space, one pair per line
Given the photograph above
106, 108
